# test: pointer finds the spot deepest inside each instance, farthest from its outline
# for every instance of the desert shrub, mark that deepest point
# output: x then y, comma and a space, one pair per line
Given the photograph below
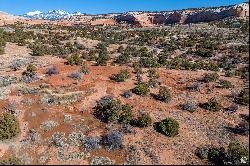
164, 94
52, 71
154, 83
110, 110
21, 42
226, 84
243, 72
9, 126
76, 76
141, 89
91, 55
216, 155
229, 73
190, 106
139, 78
102, 46
211, 77
162, 60
137, 68
114, 140
84, 68
38, 50
144, 120
153, 74
237, 153
202, 152
168, 127
1, 50
243, 97
102, 59
2, 41
120, 49
123, 58
31, 68
74, 60
204, 52
121, 77
212, 105
126, 114
30, 74
148, 62
92, 143
11, 161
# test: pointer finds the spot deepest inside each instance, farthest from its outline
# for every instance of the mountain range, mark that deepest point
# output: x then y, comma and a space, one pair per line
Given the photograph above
50, 15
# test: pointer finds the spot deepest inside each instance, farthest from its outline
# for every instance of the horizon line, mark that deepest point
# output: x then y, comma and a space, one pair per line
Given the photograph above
146, 11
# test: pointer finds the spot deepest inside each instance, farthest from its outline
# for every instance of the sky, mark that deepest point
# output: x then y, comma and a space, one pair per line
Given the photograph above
18, 7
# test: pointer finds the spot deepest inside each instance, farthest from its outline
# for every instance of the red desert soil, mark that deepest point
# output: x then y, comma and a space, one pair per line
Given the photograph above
193, 126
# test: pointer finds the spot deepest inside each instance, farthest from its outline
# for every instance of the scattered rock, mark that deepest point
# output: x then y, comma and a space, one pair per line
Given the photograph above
101, 161
48, 125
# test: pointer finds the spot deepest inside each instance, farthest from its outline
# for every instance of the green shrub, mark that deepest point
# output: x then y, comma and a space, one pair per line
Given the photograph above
84, 68
162, 60
91, 55
226, 84
11, 161
31, 68
38, 50
168, 127
141, 89
211, 77
144, 120
212, 105
110, 110
216, 155
126, 114
243, 97
102, 59
153, 74
120, 49
9, 126
164, 94
148, 62
121, 77
1, 50
123, 58
74, 60
2, 42
236, 153
204, 52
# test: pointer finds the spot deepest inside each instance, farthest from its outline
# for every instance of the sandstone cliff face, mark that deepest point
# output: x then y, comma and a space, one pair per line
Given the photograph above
184, 17
158, 19
127, 18
173, 18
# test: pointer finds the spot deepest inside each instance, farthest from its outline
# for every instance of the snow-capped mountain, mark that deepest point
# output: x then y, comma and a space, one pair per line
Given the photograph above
50, 15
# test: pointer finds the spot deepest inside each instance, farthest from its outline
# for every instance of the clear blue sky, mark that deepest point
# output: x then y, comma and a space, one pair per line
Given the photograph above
19, 7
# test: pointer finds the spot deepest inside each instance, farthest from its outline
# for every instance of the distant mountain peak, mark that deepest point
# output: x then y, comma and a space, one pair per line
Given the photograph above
50, 15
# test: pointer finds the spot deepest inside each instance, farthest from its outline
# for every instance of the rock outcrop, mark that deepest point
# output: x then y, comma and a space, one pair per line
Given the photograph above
184, 16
